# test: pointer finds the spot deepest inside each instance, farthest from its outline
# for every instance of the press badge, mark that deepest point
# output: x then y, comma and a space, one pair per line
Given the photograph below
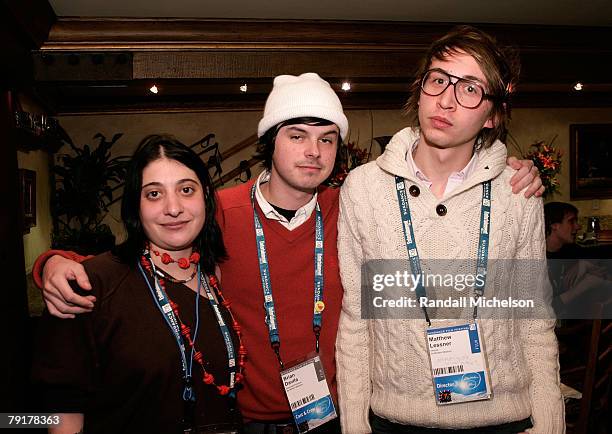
458, 366
308, 394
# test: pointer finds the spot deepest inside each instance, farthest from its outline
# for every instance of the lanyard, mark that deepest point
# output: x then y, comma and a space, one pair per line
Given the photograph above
163, 304
264, 271
413, 254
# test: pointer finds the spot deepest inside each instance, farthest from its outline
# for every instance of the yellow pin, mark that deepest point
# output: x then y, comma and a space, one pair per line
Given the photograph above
319, 306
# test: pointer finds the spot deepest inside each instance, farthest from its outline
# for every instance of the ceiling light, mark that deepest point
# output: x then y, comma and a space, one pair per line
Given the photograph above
244, 88
578, 86
346, 86
154, 89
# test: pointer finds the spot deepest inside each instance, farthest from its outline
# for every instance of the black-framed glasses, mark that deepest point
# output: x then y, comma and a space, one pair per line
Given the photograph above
468, 93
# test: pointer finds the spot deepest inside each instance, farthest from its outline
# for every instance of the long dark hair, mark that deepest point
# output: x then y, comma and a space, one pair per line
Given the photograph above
210, 240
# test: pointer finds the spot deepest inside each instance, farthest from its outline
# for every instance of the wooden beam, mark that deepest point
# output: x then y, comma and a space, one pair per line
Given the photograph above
538, 67
82, 66
266, 63
147, 33
129, 52
179, 48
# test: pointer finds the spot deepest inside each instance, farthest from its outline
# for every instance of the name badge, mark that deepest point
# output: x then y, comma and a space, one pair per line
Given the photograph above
308, 394
458, 366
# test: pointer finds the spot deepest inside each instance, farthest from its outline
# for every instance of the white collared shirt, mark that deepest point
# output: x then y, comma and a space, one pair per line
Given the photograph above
301, 215
454, 180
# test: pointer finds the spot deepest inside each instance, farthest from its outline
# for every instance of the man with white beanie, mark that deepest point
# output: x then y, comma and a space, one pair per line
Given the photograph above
280, 232
300, 132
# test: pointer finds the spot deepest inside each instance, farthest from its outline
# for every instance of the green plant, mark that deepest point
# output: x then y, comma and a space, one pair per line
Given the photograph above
84, 188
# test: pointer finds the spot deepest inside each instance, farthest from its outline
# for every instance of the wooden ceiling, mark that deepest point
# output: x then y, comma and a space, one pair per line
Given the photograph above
85, 65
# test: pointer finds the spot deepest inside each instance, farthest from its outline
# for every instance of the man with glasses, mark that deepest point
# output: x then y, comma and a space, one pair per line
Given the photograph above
440, 191
468, 92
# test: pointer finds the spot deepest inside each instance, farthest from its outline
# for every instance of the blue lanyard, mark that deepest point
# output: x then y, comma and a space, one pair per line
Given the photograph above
411, 247
264, 271
227, 337
163, 304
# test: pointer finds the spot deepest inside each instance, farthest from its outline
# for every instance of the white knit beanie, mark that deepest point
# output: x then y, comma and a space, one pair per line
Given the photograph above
306, 95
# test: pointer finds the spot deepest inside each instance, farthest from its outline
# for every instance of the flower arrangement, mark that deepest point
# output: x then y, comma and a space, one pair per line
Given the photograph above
547, 158
349, 156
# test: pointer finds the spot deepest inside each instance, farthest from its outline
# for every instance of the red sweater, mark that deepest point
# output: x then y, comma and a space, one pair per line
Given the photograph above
291, 262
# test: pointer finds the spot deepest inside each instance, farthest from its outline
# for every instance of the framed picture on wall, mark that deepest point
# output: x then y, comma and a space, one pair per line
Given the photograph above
590, 161
27, 184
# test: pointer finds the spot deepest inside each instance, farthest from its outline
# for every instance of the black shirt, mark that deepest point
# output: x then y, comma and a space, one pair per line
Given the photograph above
120, 365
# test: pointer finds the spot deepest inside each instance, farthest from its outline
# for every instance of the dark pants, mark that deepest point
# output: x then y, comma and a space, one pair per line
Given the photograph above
288, 427
383, 426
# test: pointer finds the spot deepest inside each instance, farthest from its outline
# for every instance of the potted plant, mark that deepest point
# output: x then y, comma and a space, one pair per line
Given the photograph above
85, 181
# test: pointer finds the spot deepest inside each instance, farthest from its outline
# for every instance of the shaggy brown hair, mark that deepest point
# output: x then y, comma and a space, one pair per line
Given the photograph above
500, 67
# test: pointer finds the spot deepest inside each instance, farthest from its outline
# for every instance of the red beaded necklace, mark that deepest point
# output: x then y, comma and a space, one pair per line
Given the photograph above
183, 263
207, 377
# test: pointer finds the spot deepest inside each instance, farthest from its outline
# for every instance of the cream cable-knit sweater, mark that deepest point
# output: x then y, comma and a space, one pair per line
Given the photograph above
383, 364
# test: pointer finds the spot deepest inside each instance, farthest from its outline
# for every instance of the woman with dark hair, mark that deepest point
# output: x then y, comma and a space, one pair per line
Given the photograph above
161, 328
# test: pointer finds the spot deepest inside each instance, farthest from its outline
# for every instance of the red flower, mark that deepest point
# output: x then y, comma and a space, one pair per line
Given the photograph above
223, 390
166, 259
548, 160
183, 263
548, 163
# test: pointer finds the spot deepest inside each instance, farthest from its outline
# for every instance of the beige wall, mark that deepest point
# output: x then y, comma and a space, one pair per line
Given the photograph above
229, 129
528, 125
39, 238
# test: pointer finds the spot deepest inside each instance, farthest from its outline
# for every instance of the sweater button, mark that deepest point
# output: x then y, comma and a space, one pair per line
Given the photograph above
441, 210
414, 191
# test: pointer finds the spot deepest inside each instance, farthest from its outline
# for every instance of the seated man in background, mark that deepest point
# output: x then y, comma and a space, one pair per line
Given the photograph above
577, 282
561, 227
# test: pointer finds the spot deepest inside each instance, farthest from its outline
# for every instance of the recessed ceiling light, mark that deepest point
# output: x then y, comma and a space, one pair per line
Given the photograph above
153, 89
244, 88
578, 86
346, 86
